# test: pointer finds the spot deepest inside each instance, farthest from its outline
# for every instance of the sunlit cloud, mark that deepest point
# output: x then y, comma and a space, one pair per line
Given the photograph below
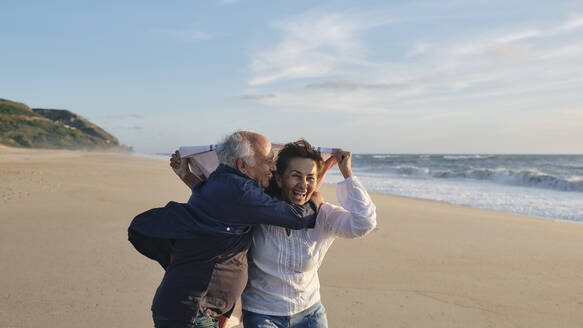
327, 55
312, 45
520, 36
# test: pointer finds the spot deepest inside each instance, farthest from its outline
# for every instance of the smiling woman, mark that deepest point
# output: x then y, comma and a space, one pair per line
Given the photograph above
296, 178
283, 288
298, 181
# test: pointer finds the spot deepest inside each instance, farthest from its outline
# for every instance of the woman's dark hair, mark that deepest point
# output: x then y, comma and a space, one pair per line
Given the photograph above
301, 149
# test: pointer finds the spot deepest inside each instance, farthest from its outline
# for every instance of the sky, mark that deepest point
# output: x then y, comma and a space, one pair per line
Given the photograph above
445, 76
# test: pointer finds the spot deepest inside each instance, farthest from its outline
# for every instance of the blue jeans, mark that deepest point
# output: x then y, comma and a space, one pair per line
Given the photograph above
202, 321
313, 317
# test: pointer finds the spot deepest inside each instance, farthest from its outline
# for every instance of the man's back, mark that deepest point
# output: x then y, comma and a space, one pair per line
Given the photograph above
206, 274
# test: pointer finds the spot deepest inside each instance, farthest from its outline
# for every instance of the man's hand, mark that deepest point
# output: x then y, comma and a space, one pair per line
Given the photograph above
317, 198
344, 159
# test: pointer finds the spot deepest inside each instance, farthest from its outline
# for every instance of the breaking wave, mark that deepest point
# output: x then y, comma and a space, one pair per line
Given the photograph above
526, 177
456, 157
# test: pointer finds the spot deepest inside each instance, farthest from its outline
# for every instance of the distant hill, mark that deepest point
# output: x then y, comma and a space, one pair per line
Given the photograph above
21, 126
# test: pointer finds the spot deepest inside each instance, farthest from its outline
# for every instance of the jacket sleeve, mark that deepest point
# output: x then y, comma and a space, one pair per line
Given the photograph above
256, 207
157, 249
153, 232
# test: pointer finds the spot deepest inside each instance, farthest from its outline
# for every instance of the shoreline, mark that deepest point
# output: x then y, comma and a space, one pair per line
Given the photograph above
478, 208
159, 157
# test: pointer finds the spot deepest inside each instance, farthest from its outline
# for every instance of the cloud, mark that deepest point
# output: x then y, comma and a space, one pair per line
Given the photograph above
123, 117
181, 35
491, 46
520, 36
121, 122
471, 69
312, 45
573, 50
351, 86
329, 100
509, 51
419, 49
510, 60
257, 97
572, 24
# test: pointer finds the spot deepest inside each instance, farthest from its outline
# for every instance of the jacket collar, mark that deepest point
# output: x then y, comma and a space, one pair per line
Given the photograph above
222, 168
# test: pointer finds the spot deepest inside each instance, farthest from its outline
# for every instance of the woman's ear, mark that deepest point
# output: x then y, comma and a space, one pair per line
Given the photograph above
277, 179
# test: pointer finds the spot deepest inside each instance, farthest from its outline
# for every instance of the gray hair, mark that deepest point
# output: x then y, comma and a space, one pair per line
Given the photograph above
235, 146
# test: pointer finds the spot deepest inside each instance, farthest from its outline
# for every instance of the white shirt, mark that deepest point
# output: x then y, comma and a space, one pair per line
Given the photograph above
283, 270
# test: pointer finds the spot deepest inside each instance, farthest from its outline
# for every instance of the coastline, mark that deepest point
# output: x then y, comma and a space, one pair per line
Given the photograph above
165, 158
64, 217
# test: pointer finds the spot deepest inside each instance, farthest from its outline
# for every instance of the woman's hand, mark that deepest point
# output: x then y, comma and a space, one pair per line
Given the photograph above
344, 159
182, 170
179, 166
328, 164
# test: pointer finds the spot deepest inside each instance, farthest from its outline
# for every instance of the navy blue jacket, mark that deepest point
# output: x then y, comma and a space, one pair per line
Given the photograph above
202, 245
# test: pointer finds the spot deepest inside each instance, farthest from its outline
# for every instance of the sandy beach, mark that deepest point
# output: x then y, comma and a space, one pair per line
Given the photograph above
66, 262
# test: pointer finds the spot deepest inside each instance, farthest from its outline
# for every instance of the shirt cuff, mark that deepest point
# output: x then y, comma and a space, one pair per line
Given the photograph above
350, 180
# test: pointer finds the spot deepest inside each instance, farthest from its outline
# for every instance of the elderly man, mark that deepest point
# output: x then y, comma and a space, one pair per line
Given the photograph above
203, 245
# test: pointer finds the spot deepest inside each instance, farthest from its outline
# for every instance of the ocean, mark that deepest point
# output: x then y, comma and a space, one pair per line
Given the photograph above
546, 186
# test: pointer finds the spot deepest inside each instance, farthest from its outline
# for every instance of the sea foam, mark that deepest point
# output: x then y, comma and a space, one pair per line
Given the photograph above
542, 186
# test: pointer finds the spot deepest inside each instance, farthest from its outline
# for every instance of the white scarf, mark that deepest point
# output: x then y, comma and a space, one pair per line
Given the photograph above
203, 159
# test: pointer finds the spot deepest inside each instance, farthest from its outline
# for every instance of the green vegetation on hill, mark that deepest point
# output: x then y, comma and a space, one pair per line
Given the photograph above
21, 126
